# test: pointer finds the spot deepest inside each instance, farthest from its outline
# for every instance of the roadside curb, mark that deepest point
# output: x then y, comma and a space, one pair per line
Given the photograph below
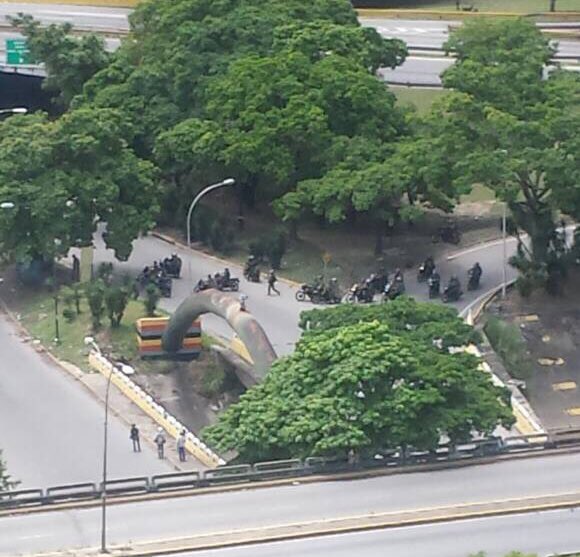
226, 262
458, 15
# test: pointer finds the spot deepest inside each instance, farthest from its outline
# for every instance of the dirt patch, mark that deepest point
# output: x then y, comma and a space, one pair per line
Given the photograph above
550, 327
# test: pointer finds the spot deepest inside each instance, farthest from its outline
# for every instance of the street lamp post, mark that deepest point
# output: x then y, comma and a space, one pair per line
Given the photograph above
17, 110
226, 182
504, 255
90, 341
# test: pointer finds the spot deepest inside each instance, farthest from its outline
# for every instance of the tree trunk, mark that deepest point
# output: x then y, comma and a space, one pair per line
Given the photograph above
379, 239
293, 224
552, 5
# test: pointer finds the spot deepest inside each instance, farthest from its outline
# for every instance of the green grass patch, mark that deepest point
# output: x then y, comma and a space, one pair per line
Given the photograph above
420, 98
38, 317
478, 194
510, 346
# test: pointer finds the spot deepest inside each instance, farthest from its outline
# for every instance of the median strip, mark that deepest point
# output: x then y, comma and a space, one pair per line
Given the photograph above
335, 526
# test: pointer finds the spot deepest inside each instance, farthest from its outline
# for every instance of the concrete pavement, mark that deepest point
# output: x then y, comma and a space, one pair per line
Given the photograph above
226, 512
51, 429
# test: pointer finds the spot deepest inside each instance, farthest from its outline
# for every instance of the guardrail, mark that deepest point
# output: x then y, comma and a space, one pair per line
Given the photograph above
294, 468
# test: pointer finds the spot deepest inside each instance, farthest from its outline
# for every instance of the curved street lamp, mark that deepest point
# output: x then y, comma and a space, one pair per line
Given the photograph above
16, 110
226, 182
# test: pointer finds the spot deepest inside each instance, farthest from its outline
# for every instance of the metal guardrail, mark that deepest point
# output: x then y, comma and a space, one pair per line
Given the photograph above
247, 473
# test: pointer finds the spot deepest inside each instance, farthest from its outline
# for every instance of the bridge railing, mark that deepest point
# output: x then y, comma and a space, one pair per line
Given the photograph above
445, 455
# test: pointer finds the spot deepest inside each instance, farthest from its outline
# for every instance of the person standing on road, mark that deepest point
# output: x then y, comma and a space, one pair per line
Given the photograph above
181, 446
160, 442
134, 436
272, 279
243, 300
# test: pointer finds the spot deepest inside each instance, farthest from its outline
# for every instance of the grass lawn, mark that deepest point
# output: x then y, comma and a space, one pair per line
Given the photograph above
512, 6
419, 97
37, 316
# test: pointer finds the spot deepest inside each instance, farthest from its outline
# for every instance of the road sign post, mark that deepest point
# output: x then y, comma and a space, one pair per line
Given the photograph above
17, 52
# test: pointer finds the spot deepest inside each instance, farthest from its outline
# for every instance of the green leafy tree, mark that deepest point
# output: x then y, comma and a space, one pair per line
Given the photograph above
364, 387
65, 176
116, 300
69, 61
513, 131
95, 293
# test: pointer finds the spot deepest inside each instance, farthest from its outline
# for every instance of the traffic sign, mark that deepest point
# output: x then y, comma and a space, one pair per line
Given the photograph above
17, 52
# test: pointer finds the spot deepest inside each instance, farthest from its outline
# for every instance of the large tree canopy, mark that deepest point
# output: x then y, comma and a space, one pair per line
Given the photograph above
365, 385
509, 127
63, 176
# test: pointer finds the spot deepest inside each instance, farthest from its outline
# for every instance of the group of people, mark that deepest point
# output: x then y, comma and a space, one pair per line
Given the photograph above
453, 290
158, 275
160, 439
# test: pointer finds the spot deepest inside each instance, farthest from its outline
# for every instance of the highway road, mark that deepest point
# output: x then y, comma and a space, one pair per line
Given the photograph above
51, 429
543, 534
175, 518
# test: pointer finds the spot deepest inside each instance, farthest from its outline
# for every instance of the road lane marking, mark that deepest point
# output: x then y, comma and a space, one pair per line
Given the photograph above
564, 386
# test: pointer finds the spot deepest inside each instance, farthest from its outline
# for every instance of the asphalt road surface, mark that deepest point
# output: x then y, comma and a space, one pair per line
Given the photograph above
224, 512
543, 534
279, 315
51, 429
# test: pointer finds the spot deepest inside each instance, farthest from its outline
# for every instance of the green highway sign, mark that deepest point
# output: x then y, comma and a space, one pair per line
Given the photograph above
17, 52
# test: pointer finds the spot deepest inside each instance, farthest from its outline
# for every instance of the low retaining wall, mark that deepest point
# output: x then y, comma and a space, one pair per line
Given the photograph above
154, 410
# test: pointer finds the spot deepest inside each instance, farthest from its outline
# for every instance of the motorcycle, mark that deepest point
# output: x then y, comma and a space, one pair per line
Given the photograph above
359, 293
252, 273
394, 289
377, 282
474, 275
308, 291
229, 284
426, 270
165, 285
434, 287
452, 293
172, 266
204, 284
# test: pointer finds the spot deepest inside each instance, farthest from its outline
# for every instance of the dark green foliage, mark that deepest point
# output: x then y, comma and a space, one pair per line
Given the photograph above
421, 321
365, 385
6, 482
95, 294
116, 300
152, 297
270, 246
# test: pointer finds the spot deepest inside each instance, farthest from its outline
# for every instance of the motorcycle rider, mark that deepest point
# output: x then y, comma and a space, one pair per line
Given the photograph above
475, 275
332, 291
226, 276
434, 282
454, 288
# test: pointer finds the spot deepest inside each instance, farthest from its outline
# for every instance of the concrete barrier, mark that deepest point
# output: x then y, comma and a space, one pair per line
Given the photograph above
154, 410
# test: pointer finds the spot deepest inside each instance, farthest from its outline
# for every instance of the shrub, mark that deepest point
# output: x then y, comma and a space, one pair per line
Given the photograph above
276, 248
95, 294
116, 300
152, 296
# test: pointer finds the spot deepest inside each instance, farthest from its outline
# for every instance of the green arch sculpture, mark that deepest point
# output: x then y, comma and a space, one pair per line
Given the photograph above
243, 323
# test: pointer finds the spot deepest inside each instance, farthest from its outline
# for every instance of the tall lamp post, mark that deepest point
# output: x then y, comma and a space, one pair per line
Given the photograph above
226, 182
90, 341
17, 110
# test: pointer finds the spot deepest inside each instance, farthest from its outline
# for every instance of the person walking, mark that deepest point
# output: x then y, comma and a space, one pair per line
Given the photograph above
272, 279
160, 440
134, 436
243, 300
181, 446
